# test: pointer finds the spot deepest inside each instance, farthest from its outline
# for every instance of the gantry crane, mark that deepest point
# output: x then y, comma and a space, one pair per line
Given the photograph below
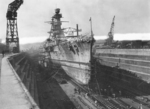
111, 32
12, 29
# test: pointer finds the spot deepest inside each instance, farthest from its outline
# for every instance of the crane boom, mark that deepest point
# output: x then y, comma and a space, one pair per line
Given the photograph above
12, 9
110, 38
111, 33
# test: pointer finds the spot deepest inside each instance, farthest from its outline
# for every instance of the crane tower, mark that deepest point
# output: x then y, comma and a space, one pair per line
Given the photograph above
12, 29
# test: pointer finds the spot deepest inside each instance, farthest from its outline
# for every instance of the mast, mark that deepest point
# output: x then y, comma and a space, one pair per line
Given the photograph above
56, 23
91, 26
77, 30
92, 42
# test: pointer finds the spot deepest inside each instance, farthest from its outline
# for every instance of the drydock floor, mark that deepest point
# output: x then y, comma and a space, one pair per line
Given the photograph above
59, 94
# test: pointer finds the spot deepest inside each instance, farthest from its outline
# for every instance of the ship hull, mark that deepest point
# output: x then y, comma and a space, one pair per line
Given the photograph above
74, 58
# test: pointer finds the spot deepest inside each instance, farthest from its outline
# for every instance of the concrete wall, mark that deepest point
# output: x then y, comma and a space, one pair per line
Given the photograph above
25, 69
137, 61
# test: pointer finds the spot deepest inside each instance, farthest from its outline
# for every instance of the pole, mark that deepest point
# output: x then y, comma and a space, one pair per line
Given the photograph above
77, 30
91, 26
96, 79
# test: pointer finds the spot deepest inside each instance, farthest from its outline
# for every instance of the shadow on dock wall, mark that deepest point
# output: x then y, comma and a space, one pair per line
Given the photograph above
51, 94
26, 69
119, 81
39, 81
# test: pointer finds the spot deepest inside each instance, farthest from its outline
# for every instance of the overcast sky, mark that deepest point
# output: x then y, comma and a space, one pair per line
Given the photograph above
132, 16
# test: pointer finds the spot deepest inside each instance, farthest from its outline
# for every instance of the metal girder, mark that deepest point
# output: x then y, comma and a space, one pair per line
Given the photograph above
12, 35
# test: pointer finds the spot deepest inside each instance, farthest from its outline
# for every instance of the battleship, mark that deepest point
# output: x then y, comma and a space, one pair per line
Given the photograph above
67, 48
126, 62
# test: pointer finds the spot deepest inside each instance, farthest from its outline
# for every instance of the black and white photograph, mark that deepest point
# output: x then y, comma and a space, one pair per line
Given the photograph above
75, 54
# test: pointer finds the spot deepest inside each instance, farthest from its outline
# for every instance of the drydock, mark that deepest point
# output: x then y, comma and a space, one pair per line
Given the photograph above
47, 86
68, 70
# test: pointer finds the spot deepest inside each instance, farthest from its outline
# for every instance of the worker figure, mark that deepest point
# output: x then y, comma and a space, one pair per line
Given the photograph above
114, 95
79, 91
86, 95
96, 102
120, 93
140, 107
3, 53
75, 91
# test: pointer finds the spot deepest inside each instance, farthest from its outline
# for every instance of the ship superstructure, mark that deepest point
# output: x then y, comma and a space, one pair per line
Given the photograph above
69, 49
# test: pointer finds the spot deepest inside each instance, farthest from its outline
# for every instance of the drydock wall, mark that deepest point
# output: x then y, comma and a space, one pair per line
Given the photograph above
25, 69
131, 67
